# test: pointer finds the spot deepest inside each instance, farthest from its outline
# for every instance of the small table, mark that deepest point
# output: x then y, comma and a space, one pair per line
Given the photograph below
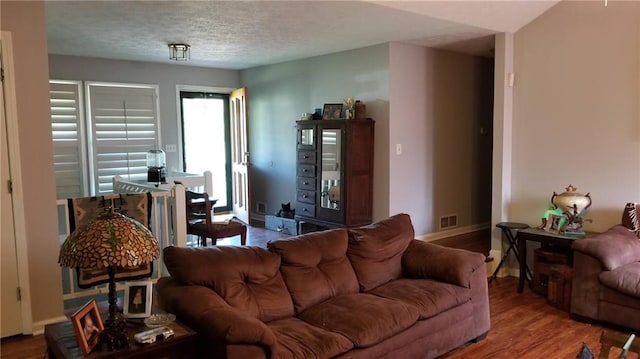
543, 237
61, 343
610, 339
508, 229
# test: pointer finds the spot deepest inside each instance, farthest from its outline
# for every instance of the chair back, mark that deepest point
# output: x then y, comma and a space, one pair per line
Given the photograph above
198, 206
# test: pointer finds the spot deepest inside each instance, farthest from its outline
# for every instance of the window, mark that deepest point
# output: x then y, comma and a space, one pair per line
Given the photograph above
69, 157
121, 126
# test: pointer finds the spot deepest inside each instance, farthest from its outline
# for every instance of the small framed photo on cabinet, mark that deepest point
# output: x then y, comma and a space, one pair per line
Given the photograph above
332, 111
87, 324
137, 299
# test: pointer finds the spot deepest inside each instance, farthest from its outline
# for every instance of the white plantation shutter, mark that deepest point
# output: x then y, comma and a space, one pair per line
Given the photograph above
124, 125
67, 129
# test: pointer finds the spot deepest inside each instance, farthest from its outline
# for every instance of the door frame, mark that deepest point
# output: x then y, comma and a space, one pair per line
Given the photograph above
178, 134
227, 138
11, 118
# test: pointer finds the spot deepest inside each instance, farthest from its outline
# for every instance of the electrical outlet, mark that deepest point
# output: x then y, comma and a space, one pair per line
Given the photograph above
398, 149
171, 148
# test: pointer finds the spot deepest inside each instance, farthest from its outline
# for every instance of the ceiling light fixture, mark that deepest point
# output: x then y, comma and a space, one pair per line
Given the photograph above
179, 52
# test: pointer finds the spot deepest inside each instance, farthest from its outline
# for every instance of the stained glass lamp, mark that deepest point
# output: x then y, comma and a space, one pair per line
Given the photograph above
110, 242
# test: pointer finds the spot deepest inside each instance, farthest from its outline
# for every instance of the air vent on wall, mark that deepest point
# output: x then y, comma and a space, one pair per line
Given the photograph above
261, 208
448, 221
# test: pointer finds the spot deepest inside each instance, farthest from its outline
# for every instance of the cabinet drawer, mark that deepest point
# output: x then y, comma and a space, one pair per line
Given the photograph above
305, 209
306, 196
307, 183
307, 157
306, 170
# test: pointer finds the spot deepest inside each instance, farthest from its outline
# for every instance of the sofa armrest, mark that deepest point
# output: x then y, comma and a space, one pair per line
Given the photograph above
431, 261
210, 315
614, 248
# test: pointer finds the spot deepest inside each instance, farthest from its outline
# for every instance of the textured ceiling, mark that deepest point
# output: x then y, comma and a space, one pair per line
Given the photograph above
244, 34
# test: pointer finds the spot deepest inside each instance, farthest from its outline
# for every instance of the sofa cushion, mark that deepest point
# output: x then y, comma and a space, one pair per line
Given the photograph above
247, 278
625, 279
613, 248
375, 251
429, 296
298, 339
631, 217
315, 267
363, 318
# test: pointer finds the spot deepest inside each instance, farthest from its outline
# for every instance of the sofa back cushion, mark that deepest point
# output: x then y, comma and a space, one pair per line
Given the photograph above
315, 267
247, 278
376, 250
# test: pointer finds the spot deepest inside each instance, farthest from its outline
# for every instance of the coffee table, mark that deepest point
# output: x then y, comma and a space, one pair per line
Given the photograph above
61, 343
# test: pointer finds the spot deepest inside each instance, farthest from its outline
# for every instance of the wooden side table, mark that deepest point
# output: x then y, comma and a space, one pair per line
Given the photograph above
546, 239
61, 343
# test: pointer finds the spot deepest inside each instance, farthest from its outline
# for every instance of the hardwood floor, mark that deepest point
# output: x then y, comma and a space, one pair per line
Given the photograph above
522, 325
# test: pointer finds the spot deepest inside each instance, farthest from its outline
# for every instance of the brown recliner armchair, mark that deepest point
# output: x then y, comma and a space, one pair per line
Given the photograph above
606, 274
200, 222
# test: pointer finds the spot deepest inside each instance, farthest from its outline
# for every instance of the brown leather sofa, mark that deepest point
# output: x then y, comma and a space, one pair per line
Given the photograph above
606, 278
370, 292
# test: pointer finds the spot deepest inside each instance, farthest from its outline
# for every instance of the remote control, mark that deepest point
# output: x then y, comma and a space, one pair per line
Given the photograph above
153, 335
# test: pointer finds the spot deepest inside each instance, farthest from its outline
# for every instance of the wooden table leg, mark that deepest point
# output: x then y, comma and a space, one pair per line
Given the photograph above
522, 259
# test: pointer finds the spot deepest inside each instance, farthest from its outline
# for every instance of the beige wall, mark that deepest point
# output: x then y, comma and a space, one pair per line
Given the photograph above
279, 93
26, 22
438, 102
576, 117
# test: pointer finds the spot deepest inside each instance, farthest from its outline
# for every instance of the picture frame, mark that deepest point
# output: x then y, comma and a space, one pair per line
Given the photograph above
332, 111
87, 325
137, 299
553, 224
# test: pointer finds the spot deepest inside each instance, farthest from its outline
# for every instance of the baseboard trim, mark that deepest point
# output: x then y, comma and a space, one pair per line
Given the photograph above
38, 327
429, 237
257, 217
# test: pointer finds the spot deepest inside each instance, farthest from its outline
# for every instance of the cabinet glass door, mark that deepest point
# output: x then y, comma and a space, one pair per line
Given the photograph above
306, 137
331, 168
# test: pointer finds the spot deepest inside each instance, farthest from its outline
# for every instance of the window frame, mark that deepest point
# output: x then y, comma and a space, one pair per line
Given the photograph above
92, 169
81, 130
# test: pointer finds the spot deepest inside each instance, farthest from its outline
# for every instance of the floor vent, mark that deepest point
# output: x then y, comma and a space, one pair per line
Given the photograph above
261, 208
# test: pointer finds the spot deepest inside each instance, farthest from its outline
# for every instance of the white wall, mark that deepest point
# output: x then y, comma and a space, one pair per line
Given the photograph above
26, 22
576, 118
439, 100
279, 94
166, 76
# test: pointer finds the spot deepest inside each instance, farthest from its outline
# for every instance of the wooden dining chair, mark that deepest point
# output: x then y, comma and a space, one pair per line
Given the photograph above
199, 208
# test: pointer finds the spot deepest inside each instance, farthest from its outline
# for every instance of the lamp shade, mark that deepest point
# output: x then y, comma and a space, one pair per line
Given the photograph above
110, 240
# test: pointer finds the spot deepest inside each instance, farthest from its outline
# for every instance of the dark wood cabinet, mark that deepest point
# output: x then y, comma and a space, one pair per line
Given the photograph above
334, 185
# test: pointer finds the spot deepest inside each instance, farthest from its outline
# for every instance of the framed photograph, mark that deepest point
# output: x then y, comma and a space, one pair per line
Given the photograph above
332, 111
553, 224
137, 299
87, 325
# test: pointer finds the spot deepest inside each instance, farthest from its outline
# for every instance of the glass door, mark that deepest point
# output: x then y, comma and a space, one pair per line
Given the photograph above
206, 141
331, 173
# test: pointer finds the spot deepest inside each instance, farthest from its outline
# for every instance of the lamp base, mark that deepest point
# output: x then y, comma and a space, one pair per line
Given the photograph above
114, 336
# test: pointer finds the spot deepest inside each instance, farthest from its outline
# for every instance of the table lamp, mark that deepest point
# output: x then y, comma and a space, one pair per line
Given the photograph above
109, 242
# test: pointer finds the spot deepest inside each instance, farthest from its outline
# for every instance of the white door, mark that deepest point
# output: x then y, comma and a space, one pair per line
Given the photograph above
10, 313
240, 155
